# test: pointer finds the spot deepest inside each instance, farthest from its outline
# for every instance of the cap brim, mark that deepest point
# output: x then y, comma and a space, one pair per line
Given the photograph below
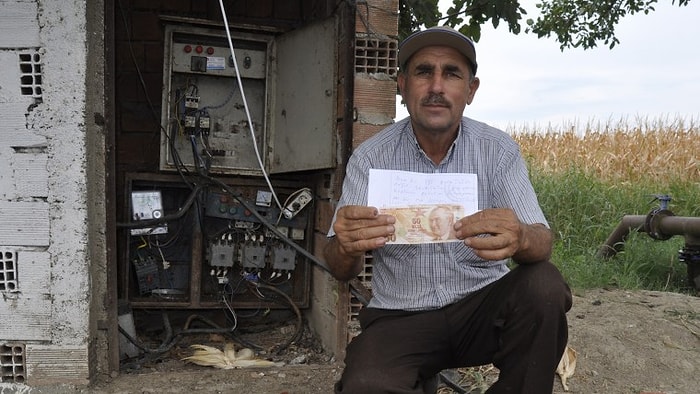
437, 37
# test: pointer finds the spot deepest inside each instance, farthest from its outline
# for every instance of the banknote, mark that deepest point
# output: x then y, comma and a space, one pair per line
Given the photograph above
417, 224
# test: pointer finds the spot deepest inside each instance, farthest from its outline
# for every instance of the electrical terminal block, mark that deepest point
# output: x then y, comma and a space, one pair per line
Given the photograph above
297, 234
204, 123
192, 102
221, 275
283, 258
253, 257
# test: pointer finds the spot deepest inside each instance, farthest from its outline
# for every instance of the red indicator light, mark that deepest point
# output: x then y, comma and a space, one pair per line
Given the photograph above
210, 50
188, 48
199, 49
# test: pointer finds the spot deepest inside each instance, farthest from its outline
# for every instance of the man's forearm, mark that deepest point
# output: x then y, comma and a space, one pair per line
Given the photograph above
536, 245
343, 267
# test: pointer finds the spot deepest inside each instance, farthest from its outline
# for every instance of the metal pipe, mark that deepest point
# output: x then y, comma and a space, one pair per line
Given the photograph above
614, 242
679, 225
658, 224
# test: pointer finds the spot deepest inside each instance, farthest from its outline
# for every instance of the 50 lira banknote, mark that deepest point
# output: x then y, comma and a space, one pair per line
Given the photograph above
416, 224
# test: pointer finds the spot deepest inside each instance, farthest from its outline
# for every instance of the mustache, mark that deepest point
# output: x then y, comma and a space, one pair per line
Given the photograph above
434, 99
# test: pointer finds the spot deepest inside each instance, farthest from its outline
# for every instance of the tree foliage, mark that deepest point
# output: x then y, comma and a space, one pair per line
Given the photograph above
573, 23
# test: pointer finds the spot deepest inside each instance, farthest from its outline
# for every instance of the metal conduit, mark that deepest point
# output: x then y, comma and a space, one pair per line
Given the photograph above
660, 224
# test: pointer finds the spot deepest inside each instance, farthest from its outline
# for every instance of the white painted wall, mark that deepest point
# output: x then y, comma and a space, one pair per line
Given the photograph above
43, 198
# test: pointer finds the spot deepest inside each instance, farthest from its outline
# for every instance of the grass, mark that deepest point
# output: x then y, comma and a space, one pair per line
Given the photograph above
587, 181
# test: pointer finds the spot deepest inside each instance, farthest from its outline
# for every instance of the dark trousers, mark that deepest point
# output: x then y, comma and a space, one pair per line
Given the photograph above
518, 323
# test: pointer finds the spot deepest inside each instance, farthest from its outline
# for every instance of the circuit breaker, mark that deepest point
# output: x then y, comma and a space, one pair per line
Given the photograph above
281, 117
217, 250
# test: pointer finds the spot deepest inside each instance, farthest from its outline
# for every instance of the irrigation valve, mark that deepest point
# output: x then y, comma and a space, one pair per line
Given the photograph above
652, 223
301, 200
663, 199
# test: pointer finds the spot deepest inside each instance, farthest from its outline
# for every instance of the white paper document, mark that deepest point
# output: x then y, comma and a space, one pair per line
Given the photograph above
425, 205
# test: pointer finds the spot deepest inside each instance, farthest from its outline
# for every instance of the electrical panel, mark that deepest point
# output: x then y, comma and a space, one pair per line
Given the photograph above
219, 244
280, 118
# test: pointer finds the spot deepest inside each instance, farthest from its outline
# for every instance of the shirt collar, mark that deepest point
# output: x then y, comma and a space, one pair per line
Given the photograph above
418, 151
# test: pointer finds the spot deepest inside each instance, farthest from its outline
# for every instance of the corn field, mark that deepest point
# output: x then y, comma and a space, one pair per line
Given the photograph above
656, 152
587, 181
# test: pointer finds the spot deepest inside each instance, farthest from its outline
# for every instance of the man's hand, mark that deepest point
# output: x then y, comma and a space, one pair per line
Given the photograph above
497, 234
357, 230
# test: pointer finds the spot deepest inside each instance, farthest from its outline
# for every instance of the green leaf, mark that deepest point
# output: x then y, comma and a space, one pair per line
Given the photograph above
572, 23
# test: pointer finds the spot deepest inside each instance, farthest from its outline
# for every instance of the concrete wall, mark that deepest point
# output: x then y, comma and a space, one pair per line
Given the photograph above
45, 235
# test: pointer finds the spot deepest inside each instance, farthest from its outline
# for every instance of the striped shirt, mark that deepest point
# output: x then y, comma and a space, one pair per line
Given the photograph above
430, 276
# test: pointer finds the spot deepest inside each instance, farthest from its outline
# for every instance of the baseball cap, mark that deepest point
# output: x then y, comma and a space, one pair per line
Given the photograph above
437, 35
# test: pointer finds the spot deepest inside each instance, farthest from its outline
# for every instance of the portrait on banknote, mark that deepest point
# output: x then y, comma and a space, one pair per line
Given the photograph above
427, 223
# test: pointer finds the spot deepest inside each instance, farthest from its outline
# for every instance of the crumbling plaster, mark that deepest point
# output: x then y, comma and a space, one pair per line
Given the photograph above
59, 146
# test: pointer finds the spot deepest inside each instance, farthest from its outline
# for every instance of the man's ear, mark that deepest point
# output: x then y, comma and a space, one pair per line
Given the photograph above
401, 81
473, 87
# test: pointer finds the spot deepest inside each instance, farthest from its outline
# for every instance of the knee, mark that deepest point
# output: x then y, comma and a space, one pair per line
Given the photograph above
544, 286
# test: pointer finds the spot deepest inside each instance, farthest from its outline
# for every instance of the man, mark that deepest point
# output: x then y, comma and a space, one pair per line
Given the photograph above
438, 306
441, 221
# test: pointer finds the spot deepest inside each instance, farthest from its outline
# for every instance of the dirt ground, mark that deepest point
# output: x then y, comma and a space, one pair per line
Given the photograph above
626, 342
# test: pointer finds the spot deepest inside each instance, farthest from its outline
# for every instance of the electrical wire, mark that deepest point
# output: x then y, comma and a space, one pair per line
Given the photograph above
177, 161
245, 105
231, 311
177, 215
297, 312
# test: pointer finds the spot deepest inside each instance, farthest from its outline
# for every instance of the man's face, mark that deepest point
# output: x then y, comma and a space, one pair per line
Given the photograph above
440, 222
436, 87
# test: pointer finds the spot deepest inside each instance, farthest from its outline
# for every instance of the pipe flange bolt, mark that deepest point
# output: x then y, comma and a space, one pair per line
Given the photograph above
652, 224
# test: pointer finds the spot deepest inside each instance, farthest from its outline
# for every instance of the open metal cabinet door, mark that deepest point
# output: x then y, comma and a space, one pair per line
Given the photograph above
303, 135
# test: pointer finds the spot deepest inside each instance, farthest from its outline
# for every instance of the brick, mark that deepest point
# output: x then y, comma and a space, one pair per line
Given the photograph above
153, 57
24, 223
182, 6
141, 151
260, 8
375, 56
375, 96
124, 60
362, 132
145, 26
154, 85
378, 17
233, 8
135, 118
153, 5
288, 10
128, 87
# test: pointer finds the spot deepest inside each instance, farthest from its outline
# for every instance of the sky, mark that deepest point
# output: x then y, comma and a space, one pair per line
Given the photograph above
651, 76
